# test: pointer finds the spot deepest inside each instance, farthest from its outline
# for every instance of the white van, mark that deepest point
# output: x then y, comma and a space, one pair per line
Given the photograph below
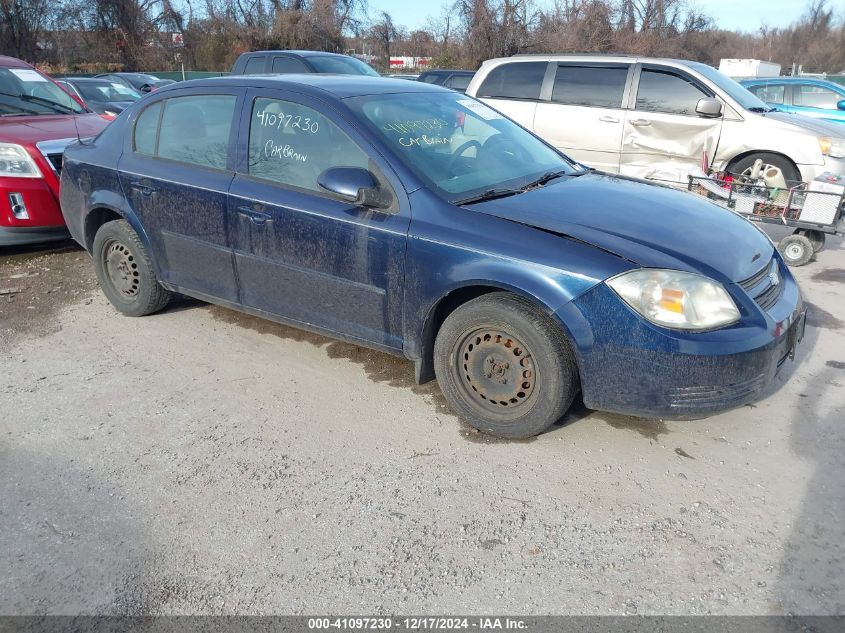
655, 118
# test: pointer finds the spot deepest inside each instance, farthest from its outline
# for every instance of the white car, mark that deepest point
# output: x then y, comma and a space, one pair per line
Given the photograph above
655, 118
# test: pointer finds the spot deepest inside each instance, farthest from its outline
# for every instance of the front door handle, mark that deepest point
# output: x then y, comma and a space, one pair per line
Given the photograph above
256, 216
608, 119
640, 122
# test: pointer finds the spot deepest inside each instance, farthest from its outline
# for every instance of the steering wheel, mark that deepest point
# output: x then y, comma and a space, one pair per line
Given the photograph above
461, 149
509, 146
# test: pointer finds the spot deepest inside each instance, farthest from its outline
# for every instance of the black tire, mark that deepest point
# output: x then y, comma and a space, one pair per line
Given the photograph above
816, 238
125, 271
790, 171
797, 250
504, 366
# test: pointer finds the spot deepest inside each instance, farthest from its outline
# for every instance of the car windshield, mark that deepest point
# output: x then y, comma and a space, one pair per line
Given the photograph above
106, 91
26, 91
459, 146
735, 91
341, 65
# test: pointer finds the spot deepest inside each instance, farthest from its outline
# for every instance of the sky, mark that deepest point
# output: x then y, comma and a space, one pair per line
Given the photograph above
741, 15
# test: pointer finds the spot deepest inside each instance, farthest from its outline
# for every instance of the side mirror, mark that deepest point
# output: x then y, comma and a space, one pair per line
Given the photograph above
353, 184
708, 107
840, 105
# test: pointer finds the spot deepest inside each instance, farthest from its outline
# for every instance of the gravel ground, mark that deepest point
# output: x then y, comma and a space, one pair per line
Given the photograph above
204, 462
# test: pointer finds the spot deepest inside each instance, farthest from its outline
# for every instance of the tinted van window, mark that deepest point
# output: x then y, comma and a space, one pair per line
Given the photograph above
515, 80
667, 92
590, 86
292, 144
146, 130
196, 129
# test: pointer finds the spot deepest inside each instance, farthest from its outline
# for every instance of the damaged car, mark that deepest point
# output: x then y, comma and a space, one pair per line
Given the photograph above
415, 220
658, 119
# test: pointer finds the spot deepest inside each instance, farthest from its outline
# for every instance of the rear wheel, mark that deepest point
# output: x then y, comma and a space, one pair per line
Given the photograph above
125, 271
816, 238
504, 366
797, 250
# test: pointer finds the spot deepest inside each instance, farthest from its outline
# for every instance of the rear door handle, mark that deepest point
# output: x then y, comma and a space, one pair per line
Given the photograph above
640, 122
256, 216
609, 119
143, 187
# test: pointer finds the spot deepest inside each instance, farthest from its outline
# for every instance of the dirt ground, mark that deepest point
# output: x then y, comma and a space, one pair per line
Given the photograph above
202, 461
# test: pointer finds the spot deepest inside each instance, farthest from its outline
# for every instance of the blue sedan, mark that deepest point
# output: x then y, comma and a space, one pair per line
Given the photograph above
418, 221
811, 97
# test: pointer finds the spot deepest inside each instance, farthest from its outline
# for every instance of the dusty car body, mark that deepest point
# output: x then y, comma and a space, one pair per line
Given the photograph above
414, 220
654, 118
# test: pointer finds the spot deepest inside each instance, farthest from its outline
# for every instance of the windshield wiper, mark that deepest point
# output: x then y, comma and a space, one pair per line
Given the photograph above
47, 102
490, 194
547, 177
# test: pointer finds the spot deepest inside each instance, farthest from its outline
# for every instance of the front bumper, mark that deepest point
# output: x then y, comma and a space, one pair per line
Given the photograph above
32, 235
633, 367
37, 219
833, 165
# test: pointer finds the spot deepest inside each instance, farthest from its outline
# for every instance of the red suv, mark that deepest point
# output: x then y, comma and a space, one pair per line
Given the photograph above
37, 120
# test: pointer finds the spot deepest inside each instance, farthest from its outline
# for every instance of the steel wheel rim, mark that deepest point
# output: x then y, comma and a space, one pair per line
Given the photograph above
794, 251
496, 371
122, 269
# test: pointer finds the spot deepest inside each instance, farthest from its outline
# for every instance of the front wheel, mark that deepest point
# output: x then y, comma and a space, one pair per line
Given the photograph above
125, 271
816, 238
504, 366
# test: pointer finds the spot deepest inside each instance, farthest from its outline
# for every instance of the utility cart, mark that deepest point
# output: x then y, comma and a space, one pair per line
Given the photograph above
813, 209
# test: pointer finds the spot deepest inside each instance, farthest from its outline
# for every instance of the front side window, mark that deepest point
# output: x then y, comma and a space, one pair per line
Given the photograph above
254, 65
514, 80
815, 97
590, 86
770, 93
661, 91
341, 65
292, 144
459, 146
459, 82
287, 64
193, 130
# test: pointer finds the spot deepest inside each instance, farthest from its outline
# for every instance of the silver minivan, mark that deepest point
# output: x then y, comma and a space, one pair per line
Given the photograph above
658, 119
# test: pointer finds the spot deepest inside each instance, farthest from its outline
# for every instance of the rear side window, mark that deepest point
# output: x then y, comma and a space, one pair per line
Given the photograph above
254, 65
459, 82
769, 93
146, 130
667, 92
292, 144
516, 80
193, 130
590, 86
429, 78
288, 65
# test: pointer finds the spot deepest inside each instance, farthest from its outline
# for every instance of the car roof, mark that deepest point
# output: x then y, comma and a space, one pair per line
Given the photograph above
444, 71
12, 62
301, 53
339, 86
99, 80
793, 80
608, 57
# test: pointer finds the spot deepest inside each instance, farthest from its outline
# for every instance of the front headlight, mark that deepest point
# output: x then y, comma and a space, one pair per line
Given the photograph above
833, 147
16, 161
676, 299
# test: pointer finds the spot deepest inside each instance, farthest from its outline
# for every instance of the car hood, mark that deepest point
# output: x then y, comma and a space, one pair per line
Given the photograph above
648, 224
816, 126
46, 127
